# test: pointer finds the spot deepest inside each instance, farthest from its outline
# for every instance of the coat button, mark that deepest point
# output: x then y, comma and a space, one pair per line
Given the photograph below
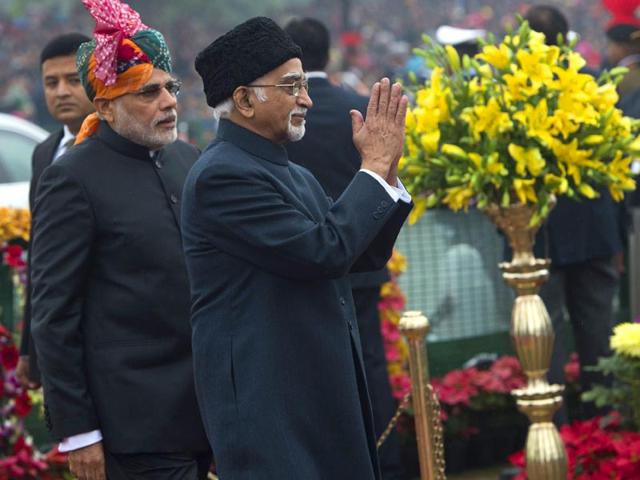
173, 198
342, 301
158, 163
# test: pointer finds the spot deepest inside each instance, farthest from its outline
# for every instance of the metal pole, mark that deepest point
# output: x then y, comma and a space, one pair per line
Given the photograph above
414, 326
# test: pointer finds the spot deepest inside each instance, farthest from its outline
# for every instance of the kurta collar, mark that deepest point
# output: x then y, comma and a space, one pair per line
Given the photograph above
120, 144
252, 142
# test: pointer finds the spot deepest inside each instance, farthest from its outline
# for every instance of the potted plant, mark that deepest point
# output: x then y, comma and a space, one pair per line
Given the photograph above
624, 394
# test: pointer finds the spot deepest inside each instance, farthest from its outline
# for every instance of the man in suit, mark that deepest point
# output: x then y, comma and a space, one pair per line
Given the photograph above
327, 150
110, 292
277, 356
68, 104
584, 239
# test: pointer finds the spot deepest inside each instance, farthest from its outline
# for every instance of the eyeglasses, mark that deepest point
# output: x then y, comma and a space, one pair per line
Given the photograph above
152, 92
291, 88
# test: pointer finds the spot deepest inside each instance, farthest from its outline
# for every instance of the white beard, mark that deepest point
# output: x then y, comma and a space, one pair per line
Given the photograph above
296, 132
149, 136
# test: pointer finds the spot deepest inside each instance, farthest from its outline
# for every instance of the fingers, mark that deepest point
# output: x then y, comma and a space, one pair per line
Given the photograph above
357, 122
372, 108
396, 93
401, 114
385, 90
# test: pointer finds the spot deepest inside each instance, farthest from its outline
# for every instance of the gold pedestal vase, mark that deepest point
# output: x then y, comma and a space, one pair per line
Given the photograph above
532, 335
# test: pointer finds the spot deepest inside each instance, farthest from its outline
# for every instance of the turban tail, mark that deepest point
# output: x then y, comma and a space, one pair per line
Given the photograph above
136, 58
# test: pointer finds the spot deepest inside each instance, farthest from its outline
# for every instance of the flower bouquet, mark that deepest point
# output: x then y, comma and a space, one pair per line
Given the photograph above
517, 123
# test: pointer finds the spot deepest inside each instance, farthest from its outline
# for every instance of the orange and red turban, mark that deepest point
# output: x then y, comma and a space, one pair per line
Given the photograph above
121, 57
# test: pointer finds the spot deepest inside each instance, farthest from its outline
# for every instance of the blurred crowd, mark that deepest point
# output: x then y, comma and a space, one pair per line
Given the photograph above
375, 38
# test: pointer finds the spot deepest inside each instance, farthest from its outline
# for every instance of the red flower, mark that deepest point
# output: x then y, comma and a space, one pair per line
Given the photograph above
596, 450
23, 404
13, 256
456, 387
9, 356
572, 369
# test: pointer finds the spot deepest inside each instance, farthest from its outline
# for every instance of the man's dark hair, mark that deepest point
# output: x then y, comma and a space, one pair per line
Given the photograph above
62, 46
548, 20
313, 37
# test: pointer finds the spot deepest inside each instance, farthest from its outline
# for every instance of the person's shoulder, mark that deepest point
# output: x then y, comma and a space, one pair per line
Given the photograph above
183, 148
49, 143
221, 158
82, 155
222, 152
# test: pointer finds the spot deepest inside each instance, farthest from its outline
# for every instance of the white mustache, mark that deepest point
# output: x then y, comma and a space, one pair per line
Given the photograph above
298, 111
171, 117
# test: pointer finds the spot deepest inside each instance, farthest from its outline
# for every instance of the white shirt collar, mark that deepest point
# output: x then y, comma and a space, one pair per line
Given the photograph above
62, 146
66, 136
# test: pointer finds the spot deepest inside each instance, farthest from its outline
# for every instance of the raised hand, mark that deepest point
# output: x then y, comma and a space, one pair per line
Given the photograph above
380, 138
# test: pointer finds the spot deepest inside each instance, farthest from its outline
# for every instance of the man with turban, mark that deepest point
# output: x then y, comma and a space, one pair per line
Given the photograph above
277, 355
110, 304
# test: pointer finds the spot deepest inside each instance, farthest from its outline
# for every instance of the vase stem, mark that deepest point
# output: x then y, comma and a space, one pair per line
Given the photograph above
533, 337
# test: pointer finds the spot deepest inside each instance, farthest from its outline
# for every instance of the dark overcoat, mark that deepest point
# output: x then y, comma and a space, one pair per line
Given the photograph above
41, 159
278, 366
110, 304
327, 150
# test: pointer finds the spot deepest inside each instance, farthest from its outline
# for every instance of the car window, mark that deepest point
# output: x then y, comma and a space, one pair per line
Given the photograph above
15, 157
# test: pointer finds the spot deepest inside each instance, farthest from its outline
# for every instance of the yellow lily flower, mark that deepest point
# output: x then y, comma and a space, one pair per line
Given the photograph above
419, 207
527, 159
454, 58
498, 57
559, 184
458, 197
536, 121
525, 190
453, 150
586, 190
429, 141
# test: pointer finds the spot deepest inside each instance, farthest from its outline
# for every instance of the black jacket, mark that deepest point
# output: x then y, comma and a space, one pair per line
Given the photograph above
327, 150
110, 305
41, 159
277, 354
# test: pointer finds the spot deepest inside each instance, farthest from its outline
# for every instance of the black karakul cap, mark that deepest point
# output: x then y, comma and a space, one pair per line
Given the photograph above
623, 33
242, 55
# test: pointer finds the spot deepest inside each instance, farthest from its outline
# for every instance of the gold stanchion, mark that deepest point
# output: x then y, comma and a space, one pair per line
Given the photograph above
533, 336
414, 326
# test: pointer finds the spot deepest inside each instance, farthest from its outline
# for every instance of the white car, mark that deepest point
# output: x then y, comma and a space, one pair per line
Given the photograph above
18, 139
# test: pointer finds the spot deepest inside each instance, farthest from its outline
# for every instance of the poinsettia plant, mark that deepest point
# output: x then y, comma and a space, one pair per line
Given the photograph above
519, 122
464, 391
598, 448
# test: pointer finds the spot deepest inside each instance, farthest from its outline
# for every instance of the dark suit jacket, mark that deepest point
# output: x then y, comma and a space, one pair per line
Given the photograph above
110, 304
41, 159
579, 231
327, 149
278, 366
